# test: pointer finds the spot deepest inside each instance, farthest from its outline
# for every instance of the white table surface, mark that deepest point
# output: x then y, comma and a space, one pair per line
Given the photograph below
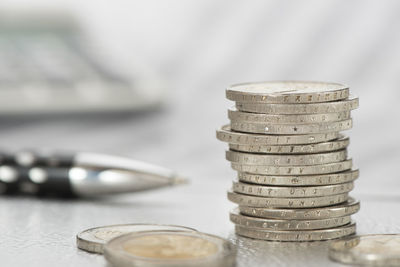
355, 42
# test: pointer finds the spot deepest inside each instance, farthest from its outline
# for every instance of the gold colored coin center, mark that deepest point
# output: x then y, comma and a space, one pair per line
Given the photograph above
170, 246
107, 234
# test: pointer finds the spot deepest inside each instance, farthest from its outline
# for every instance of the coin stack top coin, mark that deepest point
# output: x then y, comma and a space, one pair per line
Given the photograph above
294, 174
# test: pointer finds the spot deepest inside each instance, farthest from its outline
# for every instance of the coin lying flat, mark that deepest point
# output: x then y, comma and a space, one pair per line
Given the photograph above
286, 225
367, 250
93, 239
299, 180
238, 116
338, 144
286, 160
226, 135
294, 170
293, 191
287, 92
340, 210
170, 248
301, 235
275, 202
264, 128
328, 107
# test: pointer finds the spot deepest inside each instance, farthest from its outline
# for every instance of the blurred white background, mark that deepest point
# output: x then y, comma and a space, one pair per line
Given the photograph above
201, 47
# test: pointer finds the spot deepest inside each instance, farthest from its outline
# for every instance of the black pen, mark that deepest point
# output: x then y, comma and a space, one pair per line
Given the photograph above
80, 174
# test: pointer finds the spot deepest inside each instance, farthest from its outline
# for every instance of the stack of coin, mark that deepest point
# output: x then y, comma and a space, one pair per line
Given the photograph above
294, 175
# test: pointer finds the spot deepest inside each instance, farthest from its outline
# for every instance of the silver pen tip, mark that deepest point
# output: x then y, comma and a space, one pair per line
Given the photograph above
179, 180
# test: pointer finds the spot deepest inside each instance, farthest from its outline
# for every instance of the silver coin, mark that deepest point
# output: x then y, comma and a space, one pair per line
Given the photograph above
226, 135
287, 92
328, 107
286, 225
238, 116
301, 235
170, 248
286, 160
263, 128
367, 250
340, 210
294, 170
333, 145
275, 202
93, 239
299, 180
293, 191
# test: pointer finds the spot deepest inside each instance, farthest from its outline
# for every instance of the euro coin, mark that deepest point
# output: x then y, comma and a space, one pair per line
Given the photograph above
170, 248
225, 134
297, 235
286, 160
287, 92
93, 239
292, 192
338, 144
294, 170
299, 180
286, 225
347, 208
328, 107
281, 129
281, 202
239, 116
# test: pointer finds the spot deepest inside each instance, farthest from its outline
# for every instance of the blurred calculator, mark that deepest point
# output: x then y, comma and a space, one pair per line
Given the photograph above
45, 68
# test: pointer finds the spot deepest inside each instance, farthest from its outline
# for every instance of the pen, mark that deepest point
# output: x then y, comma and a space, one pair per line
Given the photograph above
80, 174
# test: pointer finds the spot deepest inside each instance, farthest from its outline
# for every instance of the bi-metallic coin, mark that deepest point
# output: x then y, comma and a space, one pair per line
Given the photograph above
170, 248
284, 224
93, 239
238, 116
263, 128
286, 160
300, 235
338, 144
314, 108
287, 92
299, 180
225, 134
340, 210
292, 191
294, 170
281, 202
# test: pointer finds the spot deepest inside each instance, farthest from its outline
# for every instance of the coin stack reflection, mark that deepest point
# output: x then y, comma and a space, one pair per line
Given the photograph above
294, 174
